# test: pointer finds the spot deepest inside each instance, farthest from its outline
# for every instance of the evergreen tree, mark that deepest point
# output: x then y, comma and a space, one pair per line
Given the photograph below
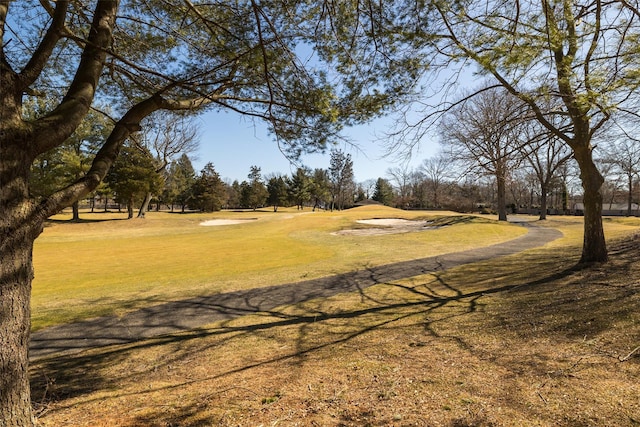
209, 191
383, 192
278, 192
256, 193
300, 187
320, 188
70, 161
179, 183
341, 179
133, 176
234, 192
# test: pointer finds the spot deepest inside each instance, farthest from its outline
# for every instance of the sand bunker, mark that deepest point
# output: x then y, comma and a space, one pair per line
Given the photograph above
216, 222
394, 222
390, 226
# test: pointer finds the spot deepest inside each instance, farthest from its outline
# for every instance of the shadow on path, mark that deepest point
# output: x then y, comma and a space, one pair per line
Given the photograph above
185, 315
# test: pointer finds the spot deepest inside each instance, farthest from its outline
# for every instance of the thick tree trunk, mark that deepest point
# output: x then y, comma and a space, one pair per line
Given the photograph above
594, 248
16, 274
18, 230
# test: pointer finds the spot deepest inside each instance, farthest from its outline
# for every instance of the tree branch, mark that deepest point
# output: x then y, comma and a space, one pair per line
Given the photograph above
108, 153
4, 9
63, 120
38, 60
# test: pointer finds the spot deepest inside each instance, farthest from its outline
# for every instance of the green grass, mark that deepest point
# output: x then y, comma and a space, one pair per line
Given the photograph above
106, 265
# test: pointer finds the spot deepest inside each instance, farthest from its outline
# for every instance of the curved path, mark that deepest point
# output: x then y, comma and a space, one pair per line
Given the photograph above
179, 316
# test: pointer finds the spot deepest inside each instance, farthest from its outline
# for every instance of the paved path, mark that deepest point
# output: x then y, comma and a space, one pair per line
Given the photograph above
178, 316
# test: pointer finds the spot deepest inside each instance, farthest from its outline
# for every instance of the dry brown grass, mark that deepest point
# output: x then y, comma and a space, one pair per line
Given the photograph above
525, 340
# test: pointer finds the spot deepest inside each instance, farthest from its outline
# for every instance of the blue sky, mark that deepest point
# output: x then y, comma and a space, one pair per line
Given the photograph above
233, 144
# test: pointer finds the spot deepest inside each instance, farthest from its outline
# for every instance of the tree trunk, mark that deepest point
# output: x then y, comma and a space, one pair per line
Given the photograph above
75, 208
130, 209
502, 197
19, 227
543, 202
630, 196
594, 248
15, 293
145, 205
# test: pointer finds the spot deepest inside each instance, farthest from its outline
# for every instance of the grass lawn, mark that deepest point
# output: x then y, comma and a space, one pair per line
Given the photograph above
523, 340
103, 267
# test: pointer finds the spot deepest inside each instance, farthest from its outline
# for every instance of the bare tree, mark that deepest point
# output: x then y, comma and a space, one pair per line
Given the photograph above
546, 154
401, 178
624, 155
484, 132
437, 171
167, 136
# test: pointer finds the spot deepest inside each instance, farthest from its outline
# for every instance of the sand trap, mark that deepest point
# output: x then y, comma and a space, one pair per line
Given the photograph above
216, 222
393, 222
391, 226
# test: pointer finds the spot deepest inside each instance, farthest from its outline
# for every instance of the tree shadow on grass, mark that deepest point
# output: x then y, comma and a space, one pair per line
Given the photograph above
184, 315
518, 292
56, 378
83, 220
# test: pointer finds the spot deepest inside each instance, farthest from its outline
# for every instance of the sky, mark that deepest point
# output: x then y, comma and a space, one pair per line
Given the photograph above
234, 143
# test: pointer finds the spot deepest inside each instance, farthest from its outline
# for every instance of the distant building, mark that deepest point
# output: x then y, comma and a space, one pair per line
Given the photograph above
610, 209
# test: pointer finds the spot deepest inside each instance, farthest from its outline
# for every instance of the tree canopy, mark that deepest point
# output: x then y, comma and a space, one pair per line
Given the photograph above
138, 57
306, 68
